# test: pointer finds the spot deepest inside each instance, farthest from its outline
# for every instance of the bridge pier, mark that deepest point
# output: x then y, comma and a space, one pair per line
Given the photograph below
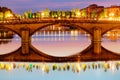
25, 33
96, 40
2, 35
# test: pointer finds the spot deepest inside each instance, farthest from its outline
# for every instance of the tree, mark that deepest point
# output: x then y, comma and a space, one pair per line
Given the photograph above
104, 14
1, 16
38, 15
67, 14
77, 12
59, 13
46, 12
8, 14
26, 14
5, 12
53, 14
73, 12
30, 15
93, 14
84, 13
63, 13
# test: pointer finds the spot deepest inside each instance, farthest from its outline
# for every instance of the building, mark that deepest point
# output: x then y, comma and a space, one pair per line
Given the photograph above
94, 11
113, 11
6, 13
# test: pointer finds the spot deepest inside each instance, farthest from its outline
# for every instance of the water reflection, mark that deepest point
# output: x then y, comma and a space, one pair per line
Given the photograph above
9, 43
75, 67
6, 36
111, 40
46, 71
61, 43
5, 41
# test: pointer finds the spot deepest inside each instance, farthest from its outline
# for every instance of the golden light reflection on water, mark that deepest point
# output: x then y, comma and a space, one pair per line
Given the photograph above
111, 40
68, 38
75, 67
61, 43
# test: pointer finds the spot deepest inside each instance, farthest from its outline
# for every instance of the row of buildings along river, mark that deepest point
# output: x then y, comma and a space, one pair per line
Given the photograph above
91, 12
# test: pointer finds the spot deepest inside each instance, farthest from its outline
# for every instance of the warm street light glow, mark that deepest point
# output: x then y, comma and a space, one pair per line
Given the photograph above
78, 13
59, 18
106, 16
111, 14
110, 18
9, 15
42, 14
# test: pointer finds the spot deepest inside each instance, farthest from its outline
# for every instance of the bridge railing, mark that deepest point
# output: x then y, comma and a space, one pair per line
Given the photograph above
38, 20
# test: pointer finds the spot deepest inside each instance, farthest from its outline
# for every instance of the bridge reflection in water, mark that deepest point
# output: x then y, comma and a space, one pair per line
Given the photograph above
68, 44
112, 38
61, 43
60, 71
9, 42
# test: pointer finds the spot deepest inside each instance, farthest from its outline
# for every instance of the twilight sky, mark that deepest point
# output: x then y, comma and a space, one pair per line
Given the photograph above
19, 6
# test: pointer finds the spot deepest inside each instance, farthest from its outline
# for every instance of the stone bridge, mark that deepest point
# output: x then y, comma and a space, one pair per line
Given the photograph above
27, 27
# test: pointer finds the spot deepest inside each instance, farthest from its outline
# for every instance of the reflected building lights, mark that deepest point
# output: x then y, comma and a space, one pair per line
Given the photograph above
48, 33
72, 33
51, 33
59, 33
78, 67
112, 67
54, 33
43, 33
66, 33
59, 38
75, 67
76, 33
112, 35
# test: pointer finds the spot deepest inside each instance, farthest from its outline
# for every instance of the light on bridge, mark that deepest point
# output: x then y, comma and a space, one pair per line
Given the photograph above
59, 18
111, 14
110, 18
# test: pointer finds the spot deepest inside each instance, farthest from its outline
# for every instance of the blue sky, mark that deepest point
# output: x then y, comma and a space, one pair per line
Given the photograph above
19, 6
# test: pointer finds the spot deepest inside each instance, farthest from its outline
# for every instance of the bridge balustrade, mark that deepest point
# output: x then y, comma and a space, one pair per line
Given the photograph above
38, 20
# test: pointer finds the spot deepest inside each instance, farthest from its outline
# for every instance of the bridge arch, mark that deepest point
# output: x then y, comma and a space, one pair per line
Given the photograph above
113, 40
10, 48
63, 24
4, 27
69, 25
112, 28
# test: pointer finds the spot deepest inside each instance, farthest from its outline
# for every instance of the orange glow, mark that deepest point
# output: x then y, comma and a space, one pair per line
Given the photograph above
78, 14
9, 15
42, 14
111, 14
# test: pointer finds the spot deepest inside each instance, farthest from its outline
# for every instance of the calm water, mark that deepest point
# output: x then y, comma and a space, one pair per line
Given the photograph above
9, 45
61, 43
76, 71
